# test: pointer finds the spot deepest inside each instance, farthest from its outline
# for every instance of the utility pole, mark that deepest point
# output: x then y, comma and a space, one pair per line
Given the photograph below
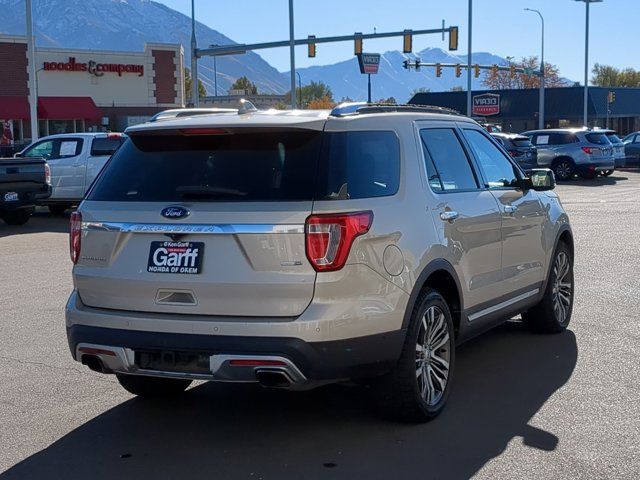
33, 84
195, 97
292, 52
541, 107
585, 119
469, 106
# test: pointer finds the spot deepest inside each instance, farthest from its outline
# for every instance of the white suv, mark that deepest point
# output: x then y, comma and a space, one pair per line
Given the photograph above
299, 248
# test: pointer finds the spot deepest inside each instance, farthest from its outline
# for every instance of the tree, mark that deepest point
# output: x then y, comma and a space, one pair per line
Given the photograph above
608, 76
420, 90
313, 92
202, 91
243, 83
390, 101
502, 80
324, 103
456, 88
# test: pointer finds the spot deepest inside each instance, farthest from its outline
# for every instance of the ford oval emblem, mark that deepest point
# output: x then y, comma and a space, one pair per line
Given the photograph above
175, 212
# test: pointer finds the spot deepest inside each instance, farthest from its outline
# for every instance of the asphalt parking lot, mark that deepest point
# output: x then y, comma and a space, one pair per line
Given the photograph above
522, 406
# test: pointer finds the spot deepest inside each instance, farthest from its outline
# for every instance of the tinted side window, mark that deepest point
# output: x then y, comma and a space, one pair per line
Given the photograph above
450, 169
105, 146
563, 138
359, 165
42, 149
497, 170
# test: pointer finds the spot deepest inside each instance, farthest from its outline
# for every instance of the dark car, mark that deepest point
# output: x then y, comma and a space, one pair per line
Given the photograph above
22, 183
632, 148
519, 148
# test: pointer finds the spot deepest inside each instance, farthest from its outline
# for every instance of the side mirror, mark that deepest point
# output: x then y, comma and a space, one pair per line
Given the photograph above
541, 180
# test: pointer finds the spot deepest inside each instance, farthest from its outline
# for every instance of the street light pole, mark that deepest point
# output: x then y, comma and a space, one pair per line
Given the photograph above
292, 52
541, 107
33, 90
469, 107
585, 115
195, 97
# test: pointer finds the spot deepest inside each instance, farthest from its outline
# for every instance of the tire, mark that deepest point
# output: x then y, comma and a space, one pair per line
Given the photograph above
152, 387
564, 169
553, 313
16, 217
417, 388
58, 210
607, 173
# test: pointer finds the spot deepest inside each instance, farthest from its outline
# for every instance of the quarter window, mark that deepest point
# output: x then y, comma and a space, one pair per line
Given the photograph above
497, 169
447, 164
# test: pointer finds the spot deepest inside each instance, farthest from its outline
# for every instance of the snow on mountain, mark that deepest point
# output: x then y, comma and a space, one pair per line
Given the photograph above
126, 25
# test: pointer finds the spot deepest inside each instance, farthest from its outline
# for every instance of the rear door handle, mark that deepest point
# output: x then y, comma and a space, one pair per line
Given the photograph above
449, 216
510, 209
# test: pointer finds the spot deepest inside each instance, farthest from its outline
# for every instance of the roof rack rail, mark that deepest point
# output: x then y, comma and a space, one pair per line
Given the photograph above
356, 108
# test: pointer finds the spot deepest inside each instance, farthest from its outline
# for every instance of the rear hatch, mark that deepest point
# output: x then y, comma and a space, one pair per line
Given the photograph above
202, 221
601, 146
522, 150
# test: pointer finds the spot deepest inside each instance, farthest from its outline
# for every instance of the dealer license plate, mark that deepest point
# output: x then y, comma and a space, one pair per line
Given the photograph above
11, 197
175, 257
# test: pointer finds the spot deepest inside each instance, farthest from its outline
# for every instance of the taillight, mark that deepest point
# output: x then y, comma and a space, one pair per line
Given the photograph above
75, 234
47, 174
515, 153
590, 150
329, 238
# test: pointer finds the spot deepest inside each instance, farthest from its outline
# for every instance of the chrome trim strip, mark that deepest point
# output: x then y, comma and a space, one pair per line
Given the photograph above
501, 305
193, 228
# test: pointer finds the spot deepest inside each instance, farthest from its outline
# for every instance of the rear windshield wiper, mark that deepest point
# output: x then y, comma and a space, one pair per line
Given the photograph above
197, 191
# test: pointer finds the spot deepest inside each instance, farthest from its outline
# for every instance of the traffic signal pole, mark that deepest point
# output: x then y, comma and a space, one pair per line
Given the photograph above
469, 107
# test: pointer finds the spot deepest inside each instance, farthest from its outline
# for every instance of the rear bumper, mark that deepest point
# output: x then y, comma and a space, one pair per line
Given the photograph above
308, 363
599, 166
27, 197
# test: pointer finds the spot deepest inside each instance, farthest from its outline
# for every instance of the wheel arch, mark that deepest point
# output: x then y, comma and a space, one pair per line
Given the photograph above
441, 276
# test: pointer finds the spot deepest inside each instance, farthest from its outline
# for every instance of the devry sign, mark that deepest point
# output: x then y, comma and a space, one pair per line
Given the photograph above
486, 104
369, 63
94, 68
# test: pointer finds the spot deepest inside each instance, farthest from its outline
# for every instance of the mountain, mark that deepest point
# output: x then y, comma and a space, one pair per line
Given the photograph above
393, 80
126, 25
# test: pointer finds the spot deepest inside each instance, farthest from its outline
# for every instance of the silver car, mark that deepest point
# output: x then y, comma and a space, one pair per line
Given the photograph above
571, 151
298, 248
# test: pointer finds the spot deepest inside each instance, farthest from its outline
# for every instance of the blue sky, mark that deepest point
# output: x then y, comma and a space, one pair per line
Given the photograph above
500, 26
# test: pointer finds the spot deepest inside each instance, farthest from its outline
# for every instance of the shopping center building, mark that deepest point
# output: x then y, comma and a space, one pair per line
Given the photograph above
86, 90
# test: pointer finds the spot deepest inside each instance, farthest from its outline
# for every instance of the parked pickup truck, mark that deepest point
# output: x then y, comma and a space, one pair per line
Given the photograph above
23, 182
75, 160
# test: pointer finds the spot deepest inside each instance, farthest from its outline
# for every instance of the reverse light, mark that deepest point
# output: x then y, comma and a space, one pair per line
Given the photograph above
328, 238
47, 174
75, 234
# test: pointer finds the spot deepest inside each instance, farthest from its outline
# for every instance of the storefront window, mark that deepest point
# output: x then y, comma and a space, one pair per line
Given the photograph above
61, 126
43, 128
79, 126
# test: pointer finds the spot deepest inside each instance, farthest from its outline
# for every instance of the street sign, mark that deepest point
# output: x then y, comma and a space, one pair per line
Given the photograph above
486, 104
369, 63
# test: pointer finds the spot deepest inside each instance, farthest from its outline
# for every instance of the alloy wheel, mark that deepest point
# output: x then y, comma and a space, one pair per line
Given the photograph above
562, 287
563, 170
433, 356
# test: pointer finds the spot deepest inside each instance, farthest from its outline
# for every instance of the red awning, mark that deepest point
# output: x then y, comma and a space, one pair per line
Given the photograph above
14, 108
67, 108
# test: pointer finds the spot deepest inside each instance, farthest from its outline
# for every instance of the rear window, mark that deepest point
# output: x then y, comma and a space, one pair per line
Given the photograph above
521, 142
258, 165
233, 166
613, 138
597, 138
105, 146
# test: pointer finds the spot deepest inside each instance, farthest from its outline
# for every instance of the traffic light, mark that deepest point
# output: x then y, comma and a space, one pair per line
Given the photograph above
512, 71
407, 41
405, 64
438, 70
476, 70
494, 69
357, 44
417, 64
611, 97
311, 47
458, 70
453, 38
